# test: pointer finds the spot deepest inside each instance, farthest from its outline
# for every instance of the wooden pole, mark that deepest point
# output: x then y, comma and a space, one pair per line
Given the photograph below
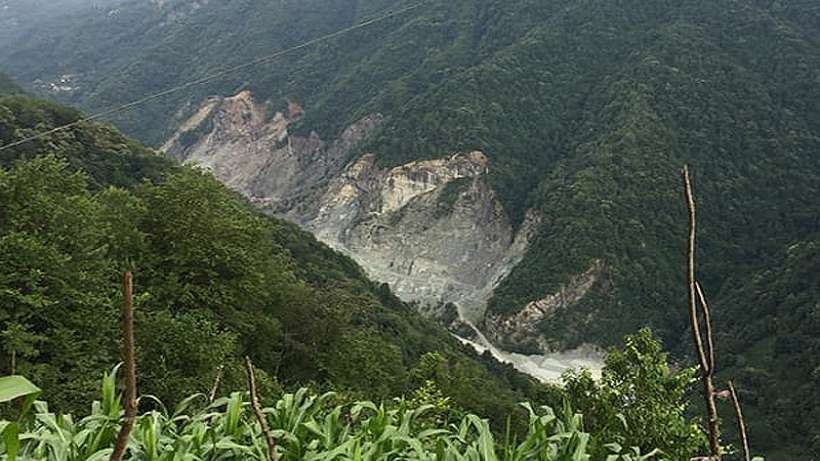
130, 368
217, 381
257, 410
741, 423
707, 322
705, 366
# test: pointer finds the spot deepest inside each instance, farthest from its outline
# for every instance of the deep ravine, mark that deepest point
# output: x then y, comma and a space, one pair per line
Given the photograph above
434, 230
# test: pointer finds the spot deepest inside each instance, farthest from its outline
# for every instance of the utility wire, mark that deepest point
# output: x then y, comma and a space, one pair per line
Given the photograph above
215, 75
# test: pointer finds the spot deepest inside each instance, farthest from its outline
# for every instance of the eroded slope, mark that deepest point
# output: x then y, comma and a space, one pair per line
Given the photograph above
434, 229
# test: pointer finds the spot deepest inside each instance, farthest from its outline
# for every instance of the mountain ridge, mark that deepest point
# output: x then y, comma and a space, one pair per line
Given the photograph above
585, 112
215, 280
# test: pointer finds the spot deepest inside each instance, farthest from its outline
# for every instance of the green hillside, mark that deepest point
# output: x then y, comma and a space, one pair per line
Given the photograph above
772, 341
586, 111
8, 86
215, 280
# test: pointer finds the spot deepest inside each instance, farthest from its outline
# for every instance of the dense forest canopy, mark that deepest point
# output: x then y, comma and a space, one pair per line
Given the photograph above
215, 280
586, 111
8, 86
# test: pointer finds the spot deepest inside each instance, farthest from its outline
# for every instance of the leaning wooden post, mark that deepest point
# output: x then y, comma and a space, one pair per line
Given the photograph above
707, 323
741, 423
705, 358
217, 381
257, 410
710, 374
130, 368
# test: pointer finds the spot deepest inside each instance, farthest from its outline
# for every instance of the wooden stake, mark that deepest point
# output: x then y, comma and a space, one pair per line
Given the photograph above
741, 423
707, 321
706, 367
215, 387
257, 410
130, 368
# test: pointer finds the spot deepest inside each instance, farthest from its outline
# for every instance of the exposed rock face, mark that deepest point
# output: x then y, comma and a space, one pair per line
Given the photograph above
434, 230
521, 328
255, 155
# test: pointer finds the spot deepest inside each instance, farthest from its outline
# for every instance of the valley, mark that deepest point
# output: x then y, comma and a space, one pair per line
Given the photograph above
433, 230
503, 171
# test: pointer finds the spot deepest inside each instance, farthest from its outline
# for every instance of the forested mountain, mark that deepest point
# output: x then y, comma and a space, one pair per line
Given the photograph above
572, 120
771, 342
215, 280
18, 16
8, 86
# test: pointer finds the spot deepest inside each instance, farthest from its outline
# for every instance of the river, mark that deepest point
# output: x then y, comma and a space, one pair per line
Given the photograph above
546, 368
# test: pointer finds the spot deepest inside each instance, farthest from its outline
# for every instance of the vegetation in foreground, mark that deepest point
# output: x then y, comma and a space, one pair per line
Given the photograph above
217, 280
306, 427
63, 231
78, 206
640, 402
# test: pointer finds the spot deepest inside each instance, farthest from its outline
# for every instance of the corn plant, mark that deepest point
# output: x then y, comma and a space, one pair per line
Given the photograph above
307, 427
15, 388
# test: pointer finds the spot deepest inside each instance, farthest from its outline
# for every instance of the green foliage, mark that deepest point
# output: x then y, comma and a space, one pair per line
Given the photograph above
586, 110
306, 427
214, 280
442, 410
103, 153
15, 387
771, 348
20, 389
448, 197
615, 195
190, 137
19, 340
360, 354
7, 86
639, 401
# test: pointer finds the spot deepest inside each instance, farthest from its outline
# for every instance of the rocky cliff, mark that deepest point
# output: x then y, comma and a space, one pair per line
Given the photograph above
434, 230
520, 330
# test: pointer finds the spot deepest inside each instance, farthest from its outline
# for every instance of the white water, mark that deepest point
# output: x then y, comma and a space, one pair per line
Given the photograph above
546, 367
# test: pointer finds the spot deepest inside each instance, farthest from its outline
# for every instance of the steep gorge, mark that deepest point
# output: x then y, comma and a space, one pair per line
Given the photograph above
434, 230
586, 112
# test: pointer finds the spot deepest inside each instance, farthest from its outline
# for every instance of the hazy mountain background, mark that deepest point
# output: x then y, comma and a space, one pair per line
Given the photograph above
21, 18
585, 110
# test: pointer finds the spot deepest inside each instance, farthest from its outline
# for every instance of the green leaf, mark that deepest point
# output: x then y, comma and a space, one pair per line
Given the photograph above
613, 447
11, 436
14, 387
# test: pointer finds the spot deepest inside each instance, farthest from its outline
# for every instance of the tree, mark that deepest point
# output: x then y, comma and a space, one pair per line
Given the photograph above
19, 342
640, 401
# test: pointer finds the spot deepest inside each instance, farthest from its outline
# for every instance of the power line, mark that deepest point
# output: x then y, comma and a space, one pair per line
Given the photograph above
215, 75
